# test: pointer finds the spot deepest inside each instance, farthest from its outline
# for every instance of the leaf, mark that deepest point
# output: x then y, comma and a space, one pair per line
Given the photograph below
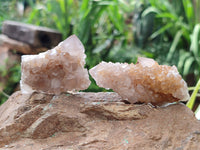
188, 8
62, 5
150, 10
84, 5
100, 48
174, 44
187, 65
167, 15
183, 56
147, 54
108, 3
127, 6
197, 113
195, 41
87, 23
153, 2
191, 88
116, 17
85, 8
191, 102
169, 7
161, 30
158, 4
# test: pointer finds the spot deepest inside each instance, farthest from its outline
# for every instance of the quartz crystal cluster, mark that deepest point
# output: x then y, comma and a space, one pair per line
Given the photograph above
57, 70
146, 81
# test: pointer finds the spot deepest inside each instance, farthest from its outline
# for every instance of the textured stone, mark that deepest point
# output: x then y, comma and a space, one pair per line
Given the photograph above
58, 70
92, 121
33, 35
145, 81
18, 46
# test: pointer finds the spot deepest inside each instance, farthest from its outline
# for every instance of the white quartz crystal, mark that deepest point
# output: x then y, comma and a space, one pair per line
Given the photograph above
57, 70
145, 81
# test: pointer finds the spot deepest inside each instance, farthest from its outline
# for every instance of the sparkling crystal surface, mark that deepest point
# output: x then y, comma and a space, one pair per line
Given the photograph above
146, 81
57, 70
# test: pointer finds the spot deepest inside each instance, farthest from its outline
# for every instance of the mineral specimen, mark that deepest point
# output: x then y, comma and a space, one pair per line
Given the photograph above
57, 70
146, 81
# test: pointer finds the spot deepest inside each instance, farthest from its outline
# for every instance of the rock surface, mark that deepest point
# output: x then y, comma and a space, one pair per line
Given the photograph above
57, 70
20, 47
35, 36
94, 121
146, 81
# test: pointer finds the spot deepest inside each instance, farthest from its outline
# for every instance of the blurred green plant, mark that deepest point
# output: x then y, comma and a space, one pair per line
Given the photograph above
197, 112
12, 77
177, 22
191, 102
11, 10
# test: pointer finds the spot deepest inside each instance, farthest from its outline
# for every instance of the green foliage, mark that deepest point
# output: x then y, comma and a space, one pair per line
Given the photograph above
12, 76
9, 10
180, 27
191, 102
197, 112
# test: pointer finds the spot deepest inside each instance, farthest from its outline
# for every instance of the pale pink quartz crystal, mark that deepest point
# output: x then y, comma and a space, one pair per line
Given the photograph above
146, 81
57, 70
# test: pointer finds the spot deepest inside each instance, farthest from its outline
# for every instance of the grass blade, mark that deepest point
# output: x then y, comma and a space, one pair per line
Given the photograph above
197, 113
195, 40
103, 46
191, 102
191, 88
163, 29
174, 45
183, 56
150, 10
188, 8
187, 65
116, 17
85, 8
167, 15
62, 5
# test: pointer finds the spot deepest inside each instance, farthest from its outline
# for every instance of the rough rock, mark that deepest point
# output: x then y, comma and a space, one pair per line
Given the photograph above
18, 46
94, 121
146, 81
57, 70
33, 35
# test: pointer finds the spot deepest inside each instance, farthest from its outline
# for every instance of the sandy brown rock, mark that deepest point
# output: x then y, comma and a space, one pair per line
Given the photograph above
94, 121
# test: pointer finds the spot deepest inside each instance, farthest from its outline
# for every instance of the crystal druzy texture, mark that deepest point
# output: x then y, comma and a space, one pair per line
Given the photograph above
146, 81
57, 70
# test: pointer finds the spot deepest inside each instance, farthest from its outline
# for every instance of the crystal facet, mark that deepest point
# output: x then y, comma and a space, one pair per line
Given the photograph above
146, 81
57, 70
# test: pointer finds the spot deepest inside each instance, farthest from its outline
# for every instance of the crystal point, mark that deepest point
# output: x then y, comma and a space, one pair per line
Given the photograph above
57, 70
